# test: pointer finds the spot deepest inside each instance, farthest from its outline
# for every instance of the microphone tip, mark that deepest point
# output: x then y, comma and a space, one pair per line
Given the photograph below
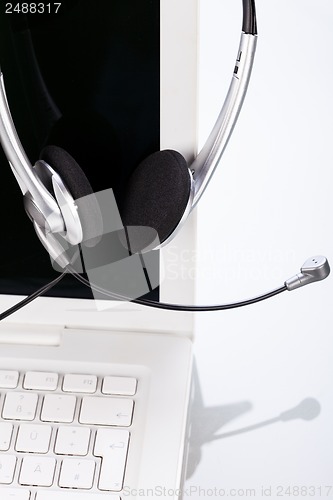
318, 264
314, 269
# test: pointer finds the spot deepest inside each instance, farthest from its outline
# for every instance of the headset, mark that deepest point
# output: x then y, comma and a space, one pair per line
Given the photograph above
162, 191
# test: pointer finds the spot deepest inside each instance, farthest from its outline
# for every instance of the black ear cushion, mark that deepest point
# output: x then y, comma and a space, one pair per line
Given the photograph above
89, 137
79, 186
157, 194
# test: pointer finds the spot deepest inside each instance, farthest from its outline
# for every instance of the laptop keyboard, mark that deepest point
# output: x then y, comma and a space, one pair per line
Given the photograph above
64, 436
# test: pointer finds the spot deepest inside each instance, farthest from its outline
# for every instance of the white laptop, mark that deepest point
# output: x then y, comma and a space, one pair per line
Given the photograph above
94, 401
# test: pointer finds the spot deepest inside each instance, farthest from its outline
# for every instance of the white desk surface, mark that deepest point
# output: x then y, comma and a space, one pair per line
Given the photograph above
268, 209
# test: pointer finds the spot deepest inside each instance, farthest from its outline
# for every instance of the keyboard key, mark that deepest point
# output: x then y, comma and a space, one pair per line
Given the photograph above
7, 468
64, 495
58, 408
41, 381
106, 411
8, 379
37, 471
78, 469
122, 386
80, 383
33, 438
6, 431
20, 406
112, 446
77, 474
14, 494
72, 441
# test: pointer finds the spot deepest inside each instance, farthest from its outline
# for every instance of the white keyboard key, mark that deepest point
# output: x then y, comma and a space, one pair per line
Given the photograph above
41, 381
77, 474
15, 494
64, 495
37, 471
20, 406
6, 431
72, 441
58, 408
8, 379
33, 438
7, 468
80, 383
112, 446
122, 386
106, 411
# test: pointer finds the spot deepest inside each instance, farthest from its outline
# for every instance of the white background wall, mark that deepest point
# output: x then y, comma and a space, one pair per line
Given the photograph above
267, 210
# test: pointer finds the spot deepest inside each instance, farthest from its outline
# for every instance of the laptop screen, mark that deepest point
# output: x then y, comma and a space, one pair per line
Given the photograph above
84, 76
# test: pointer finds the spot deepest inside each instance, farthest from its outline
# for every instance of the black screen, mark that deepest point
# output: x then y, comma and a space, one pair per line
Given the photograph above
87, 79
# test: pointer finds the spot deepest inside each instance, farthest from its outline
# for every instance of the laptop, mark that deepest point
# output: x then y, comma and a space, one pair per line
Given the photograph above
94, 394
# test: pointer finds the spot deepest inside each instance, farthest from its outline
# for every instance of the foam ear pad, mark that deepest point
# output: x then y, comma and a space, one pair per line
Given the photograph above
89, 137
157, 195
77, 183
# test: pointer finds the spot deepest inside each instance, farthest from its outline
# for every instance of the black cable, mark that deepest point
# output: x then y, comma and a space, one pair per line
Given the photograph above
180, 307
142, 302
249, 17
218, 307
42, 290
32, 297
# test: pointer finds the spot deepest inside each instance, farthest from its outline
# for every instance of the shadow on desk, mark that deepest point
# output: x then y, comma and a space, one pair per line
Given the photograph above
205, 422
